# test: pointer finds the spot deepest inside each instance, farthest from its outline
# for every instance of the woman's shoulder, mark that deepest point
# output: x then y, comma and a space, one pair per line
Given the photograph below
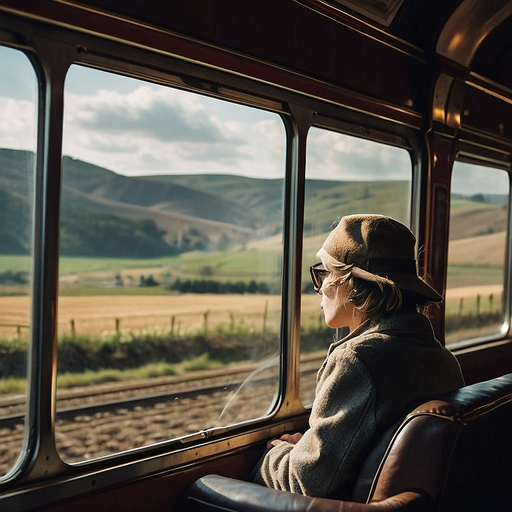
358, 349
392, 333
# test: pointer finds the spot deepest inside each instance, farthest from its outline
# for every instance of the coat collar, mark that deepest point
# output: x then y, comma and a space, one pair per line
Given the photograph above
401, 322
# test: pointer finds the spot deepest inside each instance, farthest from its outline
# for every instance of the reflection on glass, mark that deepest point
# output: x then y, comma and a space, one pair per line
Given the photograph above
476, 257
344, 175
18, 86
171, 247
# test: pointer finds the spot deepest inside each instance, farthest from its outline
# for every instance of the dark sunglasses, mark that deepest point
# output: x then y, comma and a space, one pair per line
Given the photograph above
318, 275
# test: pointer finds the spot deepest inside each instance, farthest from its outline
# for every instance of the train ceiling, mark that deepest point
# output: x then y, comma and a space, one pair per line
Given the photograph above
473, 33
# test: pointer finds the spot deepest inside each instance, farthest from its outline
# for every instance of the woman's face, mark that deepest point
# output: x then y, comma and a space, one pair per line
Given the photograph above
338, 311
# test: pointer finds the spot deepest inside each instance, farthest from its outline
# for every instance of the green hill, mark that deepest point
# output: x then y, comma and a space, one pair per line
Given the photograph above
86, 233
14, 223
262, 197
164, 215
16, 171
328, 201
141, 191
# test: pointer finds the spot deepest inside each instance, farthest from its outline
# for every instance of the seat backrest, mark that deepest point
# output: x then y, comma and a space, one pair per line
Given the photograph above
457, 449
451, 454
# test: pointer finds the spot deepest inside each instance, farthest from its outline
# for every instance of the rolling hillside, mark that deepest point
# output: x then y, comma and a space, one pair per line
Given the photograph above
477, 220
201, 211
173, 224
487, 250
140, 191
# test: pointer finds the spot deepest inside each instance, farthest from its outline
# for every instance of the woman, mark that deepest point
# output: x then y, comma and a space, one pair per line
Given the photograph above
367, 280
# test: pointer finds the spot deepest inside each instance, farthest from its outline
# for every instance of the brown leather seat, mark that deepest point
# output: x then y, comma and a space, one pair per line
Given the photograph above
453, 454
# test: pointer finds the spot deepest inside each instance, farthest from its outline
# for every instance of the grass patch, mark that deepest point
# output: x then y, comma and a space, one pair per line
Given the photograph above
229, 265
473, 275
13, 386
199, 363
91, 291
474, 306
71, 265
14, 290
147, 371
106, 375
469, 204
15, 263
226, 264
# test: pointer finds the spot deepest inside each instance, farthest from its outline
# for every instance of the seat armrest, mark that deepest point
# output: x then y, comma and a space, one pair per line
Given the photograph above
217, 493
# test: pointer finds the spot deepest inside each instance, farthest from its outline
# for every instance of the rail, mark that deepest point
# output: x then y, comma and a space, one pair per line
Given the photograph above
96, 421
86, 405
10, 421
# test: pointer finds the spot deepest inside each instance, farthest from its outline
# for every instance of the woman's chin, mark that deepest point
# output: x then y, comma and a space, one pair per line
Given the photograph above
336, 324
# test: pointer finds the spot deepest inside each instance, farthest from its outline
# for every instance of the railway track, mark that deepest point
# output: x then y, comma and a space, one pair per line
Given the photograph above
12, 420
102, 420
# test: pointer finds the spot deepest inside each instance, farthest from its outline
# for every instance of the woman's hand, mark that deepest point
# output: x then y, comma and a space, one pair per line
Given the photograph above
287, 438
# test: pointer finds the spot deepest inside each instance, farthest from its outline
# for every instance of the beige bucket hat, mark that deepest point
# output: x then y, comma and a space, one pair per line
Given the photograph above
379, 249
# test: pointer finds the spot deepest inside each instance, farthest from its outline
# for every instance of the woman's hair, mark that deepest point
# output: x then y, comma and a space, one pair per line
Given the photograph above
377, 300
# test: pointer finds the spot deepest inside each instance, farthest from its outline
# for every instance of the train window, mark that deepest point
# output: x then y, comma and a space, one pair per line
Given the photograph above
18, 93
344, 175
170, 264
477, 250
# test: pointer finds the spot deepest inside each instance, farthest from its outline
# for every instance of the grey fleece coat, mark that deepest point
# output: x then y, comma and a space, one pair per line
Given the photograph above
366, 382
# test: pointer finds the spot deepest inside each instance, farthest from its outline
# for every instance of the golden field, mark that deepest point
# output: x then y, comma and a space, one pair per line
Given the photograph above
98, 314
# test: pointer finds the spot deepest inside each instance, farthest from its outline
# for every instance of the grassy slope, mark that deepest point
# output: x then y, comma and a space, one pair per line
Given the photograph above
486, 250
474, 226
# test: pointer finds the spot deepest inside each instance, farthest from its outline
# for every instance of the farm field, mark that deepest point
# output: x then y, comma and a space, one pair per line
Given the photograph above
489, 296
97, 314
91, 302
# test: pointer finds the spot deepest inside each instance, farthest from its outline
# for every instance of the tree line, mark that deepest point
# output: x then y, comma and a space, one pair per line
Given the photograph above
219, 287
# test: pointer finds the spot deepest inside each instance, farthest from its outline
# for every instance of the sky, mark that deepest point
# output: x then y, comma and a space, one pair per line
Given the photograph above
135, 128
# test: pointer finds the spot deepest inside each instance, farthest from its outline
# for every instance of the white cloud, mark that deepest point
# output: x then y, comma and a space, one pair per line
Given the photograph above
17, 124
469, 179
336, 156
272, 133
145, 112
162, 130
134, 127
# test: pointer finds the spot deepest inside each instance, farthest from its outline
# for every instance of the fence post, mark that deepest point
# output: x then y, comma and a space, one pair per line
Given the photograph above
73, 332
206, 313
232, 321
265, 315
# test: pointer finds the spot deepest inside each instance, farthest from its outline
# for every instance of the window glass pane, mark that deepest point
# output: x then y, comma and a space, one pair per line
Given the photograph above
344, 175
476, 256
18, 87
171, 247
